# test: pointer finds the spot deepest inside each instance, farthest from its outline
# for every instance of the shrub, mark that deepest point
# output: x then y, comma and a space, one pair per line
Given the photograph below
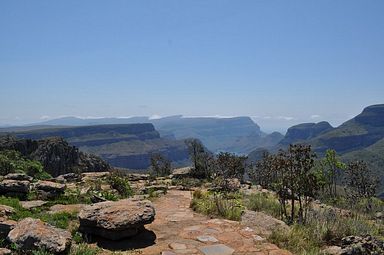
60, 220
217, 204
263, 202
12, 161
119, 182
83, 249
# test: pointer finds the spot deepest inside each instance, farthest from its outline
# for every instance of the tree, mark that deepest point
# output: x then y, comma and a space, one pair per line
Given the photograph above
295, 181
261, 172
230, 165
161, 166
360, 182
200, 157
331, 168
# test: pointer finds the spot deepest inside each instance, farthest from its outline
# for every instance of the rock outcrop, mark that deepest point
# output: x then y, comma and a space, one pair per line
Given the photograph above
14, 188
116, 220
30, 234
49, 190
55, 154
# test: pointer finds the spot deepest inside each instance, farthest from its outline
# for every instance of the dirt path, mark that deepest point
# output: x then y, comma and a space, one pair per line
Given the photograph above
178, 230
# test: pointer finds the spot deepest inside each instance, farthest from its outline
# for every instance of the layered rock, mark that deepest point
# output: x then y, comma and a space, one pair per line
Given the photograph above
14, 188
31, 234
49, 190
116, 220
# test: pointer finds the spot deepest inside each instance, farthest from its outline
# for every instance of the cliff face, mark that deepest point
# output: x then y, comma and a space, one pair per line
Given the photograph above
122, 145
305, 131
55, 154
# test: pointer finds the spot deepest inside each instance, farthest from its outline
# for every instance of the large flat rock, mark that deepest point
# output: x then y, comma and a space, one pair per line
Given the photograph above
116, 220
30, 234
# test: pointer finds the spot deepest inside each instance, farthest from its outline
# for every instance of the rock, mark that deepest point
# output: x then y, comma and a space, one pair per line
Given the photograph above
177, 246
49, 190
5, 251
93, 176
357, 245
30, 234
116, 220
69, 177
6, 226
333, 250
168, 253
18, 176
233, 184
72, 208
14, 188
32, 204
379, 215
262, 223
207, 239
153, 188
181, 173
137, 177
97, 199
6, 210
55, 154
216, 249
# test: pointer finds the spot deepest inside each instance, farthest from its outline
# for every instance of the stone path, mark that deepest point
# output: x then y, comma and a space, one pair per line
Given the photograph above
179, 230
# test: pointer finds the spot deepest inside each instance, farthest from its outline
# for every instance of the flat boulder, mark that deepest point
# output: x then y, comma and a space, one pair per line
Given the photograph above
32, 204
262, 223
69, 177
31, 234
14, 187
6, 210
116, 220
6, 225
18, 176
48, 189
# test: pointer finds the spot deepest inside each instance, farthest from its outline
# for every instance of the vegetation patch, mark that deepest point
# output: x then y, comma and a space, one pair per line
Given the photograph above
228, 206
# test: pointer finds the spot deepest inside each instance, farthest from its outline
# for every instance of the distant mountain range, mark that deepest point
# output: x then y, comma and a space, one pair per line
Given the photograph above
360, 138
129, 145
239, 134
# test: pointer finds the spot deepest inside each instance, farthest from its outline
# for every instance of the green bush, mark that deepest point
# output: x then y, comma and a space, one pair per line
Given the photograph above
83, 249
119, 182
217, 204
322, 229
264, 203
60, 220
13, 162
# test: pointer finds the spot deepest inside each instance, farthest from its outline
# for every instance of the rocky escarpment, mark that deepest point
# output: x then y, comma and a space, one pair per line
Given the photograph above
305, 131
55, 154
124, 145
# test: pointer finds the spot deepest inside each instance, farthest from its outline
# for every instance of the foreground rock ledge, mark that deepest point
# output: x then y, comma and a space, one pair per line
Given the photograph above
116, 220
31, 234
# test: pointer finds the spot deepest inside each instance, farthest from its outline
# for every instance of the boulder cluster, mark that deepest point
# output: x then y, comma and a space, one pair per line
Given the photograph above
111, 220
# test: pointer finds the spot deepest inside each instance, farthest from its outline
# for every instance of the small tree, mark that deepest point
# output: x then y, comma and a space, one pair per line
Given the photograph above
295, 181
332, 168
261, 172
230, 165
161, 166
200, 157
360, 182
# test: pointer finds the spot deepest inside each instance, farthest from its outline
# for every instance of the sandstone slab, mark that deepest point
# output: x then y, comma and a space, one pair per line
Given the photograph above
30, 234
116, 220
14, 187
32, 204
216, 249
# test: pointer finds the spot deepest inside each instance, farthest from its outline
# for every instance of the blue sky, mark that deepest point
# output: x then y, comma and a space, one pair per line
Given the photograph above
280, 62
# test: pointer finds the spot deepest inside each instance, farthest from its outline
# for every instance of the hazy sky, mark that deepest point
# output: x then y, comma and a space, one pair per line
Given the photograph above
280, 62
